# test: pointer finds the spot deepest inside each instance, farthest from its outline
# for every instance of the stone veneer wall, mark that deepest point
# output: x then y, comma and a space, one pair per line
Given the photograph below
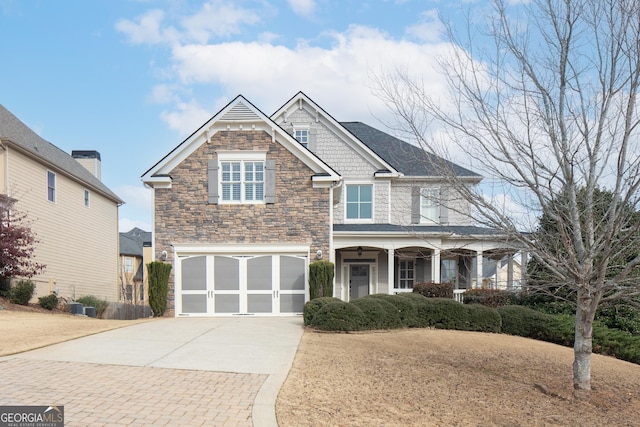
183, 216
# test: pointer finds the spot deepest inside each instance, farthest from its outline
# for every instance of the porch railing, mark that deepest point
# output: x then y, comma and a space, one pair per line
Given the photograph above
458, 295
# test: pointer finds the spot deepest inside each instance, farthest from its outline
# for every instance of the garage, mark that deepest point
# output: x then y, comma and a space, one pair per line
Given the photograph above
240, 284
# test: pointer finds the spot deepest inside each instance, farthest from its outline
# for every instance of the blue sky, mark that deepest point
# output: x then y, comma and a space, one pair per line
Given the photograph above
132, 78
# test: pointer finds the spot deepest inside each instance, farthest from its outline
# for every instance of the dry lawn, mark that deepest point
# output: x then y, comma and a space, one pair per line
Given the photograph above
449, 378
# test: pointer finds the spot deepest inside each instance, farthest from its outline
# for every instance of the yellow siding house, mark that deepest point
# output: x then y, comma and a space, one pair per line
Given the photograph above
73, 214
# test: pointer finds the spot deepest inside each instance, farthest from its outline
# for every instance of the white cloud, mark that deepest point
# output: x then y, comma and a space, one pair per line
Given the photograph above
126, 224
135, 196
147, 30
303, 7
218, 18
186, 117
137, 209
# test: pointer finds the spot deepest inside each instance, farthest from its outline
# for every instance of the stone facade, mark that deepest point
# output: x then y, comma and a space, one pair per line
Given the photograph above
183, 215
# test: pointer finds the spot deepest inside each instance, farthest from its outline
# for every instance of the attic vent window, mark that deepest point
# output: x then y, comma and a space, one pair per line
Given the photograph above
302, 136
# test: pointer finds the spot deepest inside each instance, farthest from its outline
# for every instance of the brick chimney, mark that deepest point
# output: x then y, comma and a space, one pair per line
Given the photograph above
90, 160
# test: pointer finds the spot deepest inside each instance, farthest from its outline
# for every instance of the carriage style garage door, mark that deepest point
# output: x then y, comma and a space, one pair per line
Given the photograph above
235, 284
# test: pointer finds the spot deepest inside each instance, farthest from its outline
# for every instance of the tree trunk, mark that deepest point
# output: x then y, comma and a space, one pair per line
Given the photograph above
583, 344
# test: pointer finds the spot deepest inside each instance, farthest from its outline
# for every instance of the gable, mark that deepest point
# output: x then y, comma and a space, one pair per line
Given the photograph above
237, 116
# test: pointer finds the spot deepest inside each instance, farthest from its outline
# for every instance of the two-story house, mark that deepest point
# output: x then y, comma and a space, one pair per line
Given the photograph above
135, 254
72, 212
244, 204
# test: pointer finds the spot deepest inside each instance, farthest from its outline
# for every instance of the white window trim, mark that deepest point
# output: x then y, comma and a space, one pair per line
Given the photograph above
373, 202
396, 285
423, 218
86, 198
55, 186
301, 128
242, 157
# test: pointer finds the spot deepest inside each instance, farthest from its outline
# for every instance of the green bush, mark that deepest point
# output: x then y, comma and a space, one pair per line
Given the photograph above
312, 307
339, 316
423, 308
490, 297
378, 313
614, 342
482, 318
530, 323
321, 279
620, 316
547, 303
158, 286
434, 290
92, 301
405, 307
22, 292
446, 313
49, 302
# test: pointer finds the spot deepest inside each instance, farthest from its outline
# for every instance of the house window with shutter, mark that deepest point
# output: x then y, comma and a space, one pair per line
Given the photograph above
247, 178
430, 205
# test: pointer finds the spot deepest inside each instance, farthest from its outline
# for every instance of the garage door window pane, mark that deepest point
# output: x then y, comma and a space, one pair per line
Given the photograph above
259, 273
194, 303
227, 304
194, 274
292, 271
227, 273
259, 303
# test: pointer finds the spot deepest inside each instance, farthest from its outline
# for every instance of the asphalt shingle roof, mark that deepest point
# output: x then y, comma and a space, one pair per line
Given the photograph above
404, 157
14, 130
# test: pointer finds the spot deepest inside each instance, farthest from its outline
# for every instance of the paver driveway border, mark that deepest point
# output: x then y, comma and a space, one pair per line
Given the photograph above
244, 345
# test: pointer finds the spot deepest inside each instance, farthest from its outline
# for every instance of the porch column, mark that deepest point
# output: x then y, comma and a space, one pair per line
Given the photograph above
391, 270
510, 271
435, 266
479, 275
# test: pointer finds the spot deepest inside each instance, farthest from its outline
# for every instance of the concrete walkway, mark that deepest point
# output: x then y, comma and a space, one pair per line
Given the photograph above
186, 371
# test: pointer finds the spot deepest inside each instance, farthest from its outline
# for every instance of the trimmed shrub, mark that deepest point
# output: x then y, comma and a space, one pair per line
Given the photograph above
406, 308
614, 342
490, 297
312, 307
482, 318
22, 292
49, 302
158, 286
92, 301
321, 279
339, 316
378, 313
434, 290
423, 308
530, 323
446, 313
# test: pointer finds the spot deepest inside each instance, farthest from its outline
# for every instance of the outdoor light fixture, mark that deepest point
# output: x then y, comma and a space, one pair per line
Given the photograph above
359, 250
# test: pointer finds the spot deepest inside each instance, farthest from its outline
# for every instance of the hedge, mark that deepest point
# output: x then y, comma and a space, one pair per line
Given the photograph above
490, 297
312, 307
434, 290
339, 316
378, 313
406, 308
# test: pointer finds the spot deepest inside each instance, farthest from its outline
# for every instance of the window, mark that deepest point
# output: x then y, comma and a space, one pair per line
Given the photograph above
129, 293
141, 292
359, 202
51, 186
406, 274
128, 265
242, 181
448, 271
86, 198
429, 206
302, 135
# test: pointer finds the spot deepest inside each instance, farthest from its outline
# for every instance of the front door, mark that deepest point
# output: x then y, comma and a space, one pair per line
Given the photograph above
358, 281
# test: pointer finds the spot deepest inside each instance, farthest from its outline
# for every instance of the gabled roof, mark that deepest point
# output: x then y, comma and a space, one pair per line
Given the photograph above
237, 114
132, 242
406, 158
14, 132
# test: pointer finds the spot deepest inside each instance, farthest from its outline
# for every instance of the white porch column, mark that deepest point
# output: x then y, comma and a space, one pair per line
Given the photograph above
391, 270
510, 271
479, 269
435, 266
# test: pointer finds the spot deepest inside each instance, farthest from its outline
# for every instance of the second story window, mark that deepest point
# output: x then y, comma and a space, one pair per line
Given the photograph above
302, 136
429, 205
128, 264
359, 203
242, 181
51, 186
86, 198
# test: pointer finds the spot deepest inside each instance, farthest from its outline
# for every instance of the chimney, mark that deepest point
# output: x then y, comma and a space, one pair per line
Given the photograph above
90, 160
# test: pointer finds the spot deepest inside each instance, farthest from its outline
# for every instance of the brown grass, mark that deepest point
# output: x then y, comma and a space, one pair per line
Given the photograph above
449, 378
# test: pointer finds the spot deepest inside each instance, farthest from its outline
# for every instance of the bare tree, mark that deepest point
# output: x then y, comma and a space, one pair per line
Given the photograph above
543, 101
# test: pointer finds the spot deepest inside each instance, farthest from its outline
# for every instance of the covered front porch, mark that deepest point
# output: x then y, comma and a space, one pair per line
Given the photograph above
393, 264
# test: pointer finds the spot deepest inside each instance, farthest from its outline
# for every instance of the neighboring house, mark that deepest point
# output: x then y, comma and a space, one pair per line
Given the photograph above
135, 254
73, 214
498, 274
244, 204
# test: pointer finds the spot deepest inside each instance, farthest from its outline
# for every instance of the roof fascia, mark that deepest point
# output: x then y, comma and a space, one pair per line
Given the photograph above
300, 101
222, 121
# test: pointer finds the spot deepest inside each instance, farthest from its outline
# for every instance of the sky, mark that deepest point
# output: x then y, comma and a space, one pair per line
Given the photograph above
133, 78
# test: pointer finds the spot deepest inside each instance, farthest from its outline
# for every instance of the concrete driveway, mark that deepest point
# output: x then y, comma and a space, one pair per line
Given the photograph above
184, 371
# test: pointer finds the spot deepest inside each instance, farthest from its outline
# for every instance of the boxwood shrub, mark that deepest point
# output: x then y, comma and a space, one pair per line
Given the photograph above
406, 308
339, 316
22, 292
49, 302
530, 323
490, 297
434, 290
378, 313
482, 318
423, 309
313, 306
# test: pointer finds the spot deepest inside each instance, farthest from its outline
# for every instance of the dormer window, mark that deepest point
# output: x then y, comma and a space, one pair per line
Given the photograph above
302, 136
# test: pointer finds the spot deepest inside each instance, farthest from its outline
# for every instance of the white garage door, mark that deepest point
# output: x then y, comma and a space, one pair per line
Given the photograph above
236, 284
